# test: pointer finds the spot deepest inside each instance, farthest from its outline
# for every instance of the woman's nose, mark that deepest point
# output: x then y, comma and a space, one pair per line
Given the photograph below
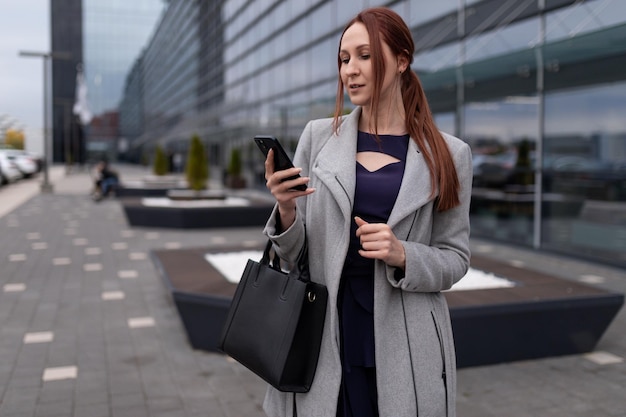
352, 68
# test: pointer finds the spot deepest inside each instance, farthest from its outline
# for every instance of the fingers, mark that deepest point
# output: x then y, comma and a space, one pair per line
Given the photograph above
379, 242
269, 164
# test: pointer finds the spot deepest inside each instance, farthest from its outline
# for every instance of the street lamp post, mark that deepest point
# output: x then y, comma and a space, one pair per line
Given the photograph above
46, 187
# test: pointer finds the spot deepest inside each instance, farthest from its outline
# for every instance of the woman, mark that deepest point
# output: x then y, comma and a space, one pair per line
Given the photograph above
386, 218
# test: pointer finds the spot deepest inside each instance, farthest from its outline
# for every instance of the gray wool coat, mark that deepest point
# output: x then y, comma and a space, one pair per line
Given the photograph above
415, 359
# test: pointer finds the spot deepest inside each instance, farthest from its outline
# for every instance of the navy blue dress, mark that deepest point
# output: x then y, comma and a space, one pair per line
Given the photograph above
374, 198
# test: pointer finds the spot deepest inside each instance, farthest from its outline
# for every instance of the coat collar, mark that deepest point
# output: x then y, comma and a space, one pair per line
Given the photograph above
336, 166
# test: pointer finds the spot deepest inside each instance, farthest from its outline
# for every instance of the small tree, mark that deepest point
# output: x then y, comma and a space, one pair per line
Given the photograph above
235, 180
14, 138
523, 167
161, 164
197, 169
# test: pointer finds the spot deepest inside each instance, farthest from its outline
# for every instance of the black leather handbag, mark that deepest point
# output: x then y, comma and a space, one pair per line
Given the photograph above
275, 322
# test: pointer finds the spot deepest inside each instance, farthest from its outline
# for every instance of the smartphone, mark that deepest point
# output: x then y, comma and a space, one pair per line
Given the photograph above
281, 159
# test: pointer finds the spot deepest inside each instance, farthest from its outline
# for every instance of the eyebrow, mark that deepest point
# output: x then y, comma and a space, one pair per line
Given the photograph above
365, 45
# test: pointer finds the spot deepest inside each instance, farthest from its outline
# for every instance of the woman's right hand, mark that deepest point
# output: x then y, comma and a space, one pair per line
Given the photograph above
282, 190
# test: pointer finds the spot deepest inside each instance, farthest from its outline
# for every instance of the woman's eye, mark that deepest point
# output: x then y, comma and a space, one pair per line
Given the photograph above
345, 60
365, 56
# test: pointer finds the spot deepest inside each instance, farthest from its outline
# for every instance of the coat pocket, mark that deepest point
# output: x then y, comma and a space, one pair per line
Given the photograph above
442, 347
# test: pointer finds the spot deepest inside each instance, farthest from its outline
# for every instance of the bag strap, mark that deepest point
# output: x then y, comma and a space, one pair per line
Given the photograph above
300, 269
268, 259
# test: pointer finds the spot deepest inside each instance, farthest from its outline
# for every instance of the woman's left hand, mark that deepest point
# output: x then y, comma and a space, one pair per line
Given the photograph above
379, 242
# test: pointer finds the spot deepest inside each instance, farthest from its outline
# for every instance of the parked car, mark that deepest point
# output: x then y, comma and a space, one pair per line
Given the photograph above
9, 172
24, 161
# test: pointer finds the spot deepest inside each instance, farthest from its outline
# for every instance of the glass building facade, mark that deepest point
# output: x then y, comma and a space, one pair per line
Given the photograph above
536, 87
103, 38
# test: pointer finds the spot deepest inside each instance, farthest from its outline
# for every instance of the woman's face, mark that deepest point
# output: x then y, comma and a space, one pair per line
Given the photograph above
356, 70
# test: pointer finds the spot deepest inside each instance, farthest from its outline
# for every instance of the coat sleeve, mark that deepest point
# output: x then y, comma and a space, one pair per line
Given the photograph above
288, 243
438, 265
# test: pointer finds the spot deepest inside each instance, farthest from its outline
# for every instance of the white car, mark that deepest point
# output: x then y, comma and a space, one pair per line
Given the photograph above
25, 163
9, 172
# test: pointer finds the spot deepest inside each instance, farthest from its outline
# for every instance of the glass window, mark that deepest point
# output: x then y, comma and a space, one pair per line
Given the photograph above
437, 58
423, 11
584, 172
445, 122
503, 137
516, 36
322, 20
323, 60
346, 10
584, 17
299, 7
298, 35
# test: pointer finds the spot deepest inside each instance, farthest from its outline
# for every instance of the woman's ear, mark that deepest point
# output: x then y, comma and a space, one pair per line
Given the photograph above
403, 63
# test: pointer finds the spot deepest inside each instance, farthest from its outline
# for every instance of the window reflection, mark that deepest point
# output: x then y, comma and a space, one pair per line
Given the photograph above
423, 11
503, 137
585, 172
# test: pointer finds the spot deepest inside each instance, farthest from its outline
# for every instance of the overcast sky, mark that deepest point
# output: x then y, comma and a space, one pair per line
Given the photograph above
25, 27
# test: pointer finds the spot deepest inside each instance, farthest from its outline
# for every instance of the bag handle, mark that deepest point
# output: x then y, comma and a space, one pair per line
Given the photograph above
300, 270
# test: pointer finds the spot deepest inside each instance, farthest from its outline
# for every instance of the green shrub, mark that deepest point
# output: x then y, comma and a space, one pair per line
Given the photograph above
234, 165
161, 164
197, 169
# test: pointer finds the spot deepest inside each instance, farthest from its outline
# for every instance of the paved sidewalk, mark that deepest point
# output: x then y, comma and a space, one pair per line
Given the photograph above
87, 328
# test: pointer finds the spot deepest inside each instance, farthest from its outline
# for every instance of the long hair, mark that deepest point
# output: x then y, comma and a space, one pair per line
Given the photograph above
384, 25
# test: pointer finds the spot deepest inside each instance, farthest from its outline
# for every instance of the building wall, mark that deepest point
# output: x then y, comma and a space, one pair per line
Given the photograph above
66, 37
535, 87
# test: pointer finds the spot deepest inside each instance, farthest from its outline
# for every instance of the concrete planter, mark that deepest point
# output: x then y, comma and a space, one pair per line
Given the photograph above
541, 316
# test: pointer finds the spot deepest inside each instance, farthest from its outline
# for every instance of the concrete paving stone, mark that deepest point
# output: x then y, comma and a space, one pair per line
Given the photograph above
19, 399
53, 391
164, 403
204, 408
169, 413
91, 410
92, 397
54, 409
125, 387
127, 400
138, 411
29, 379
244, 409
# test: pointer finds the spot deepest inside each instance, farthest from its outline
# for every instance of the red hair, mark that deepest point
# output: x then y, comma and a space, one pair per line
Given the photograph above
384, 25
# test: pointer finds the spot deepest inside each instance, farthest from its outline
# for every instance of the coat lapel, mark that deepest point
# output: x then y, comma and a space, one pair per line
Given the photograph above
335, 164
336, 167
415, 187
